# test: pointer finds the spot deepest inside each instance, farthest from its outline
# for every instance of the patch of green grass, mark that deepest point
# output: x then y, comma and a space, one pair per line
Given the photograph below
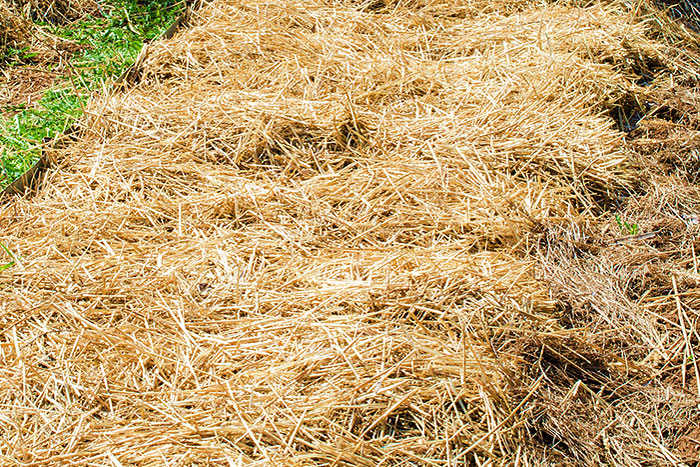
13, 56
12, 261
625, 227
111, 43
22, 134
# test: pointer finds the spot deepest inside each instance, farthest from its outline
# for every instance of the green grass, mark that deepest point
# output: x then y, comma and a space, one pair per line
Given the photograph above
625, 227
112, 43
10, 263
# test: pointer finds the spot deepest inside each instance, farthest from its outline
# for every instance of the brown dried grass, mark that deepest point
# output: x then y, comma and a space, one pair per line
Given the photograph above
55, 11
345, 233
14, 31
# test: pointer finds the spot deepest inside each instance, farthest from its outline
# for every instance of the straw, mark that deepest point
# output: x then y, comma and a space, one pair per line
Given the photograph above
14, 31
354, 233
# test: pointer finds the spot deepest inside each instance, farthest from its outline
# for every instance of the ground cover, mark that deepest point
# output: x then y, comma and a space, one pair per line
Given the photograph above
60, 53
349, 233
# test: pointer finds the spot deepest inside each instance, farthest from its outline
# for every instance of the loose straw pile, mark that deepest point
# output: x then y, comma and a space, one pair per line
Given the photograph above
346, 233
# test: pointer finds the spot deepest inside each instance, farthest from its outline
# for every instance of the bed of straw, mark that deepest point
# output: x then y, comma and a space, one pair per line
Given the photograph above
346, 233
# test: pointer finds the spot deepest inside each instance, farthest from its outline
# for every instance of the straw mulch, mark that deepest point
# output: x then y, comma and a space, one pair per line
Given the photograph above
18, 31
14, 31
55, 11
363, 233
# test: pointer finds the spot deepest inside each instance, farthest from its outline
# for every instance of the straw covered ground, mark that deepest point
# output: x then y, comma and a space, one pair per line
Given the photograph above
55, 11
336, 232
14, 31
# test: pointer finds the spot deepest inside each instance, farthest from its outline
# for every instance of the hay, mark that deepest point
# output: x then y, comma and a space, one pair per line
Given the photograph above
56, 11
14, 31
343, 233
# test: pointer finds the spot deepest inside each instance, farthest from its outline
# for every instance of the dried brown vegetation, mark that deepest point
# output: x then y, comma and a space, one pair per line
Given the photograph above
55, 11
14, 31
368, 233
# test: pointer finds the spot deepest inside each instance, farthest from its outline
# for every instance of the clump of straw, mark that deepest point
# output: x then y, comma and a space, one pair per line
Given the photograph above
14, 31
55, 11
